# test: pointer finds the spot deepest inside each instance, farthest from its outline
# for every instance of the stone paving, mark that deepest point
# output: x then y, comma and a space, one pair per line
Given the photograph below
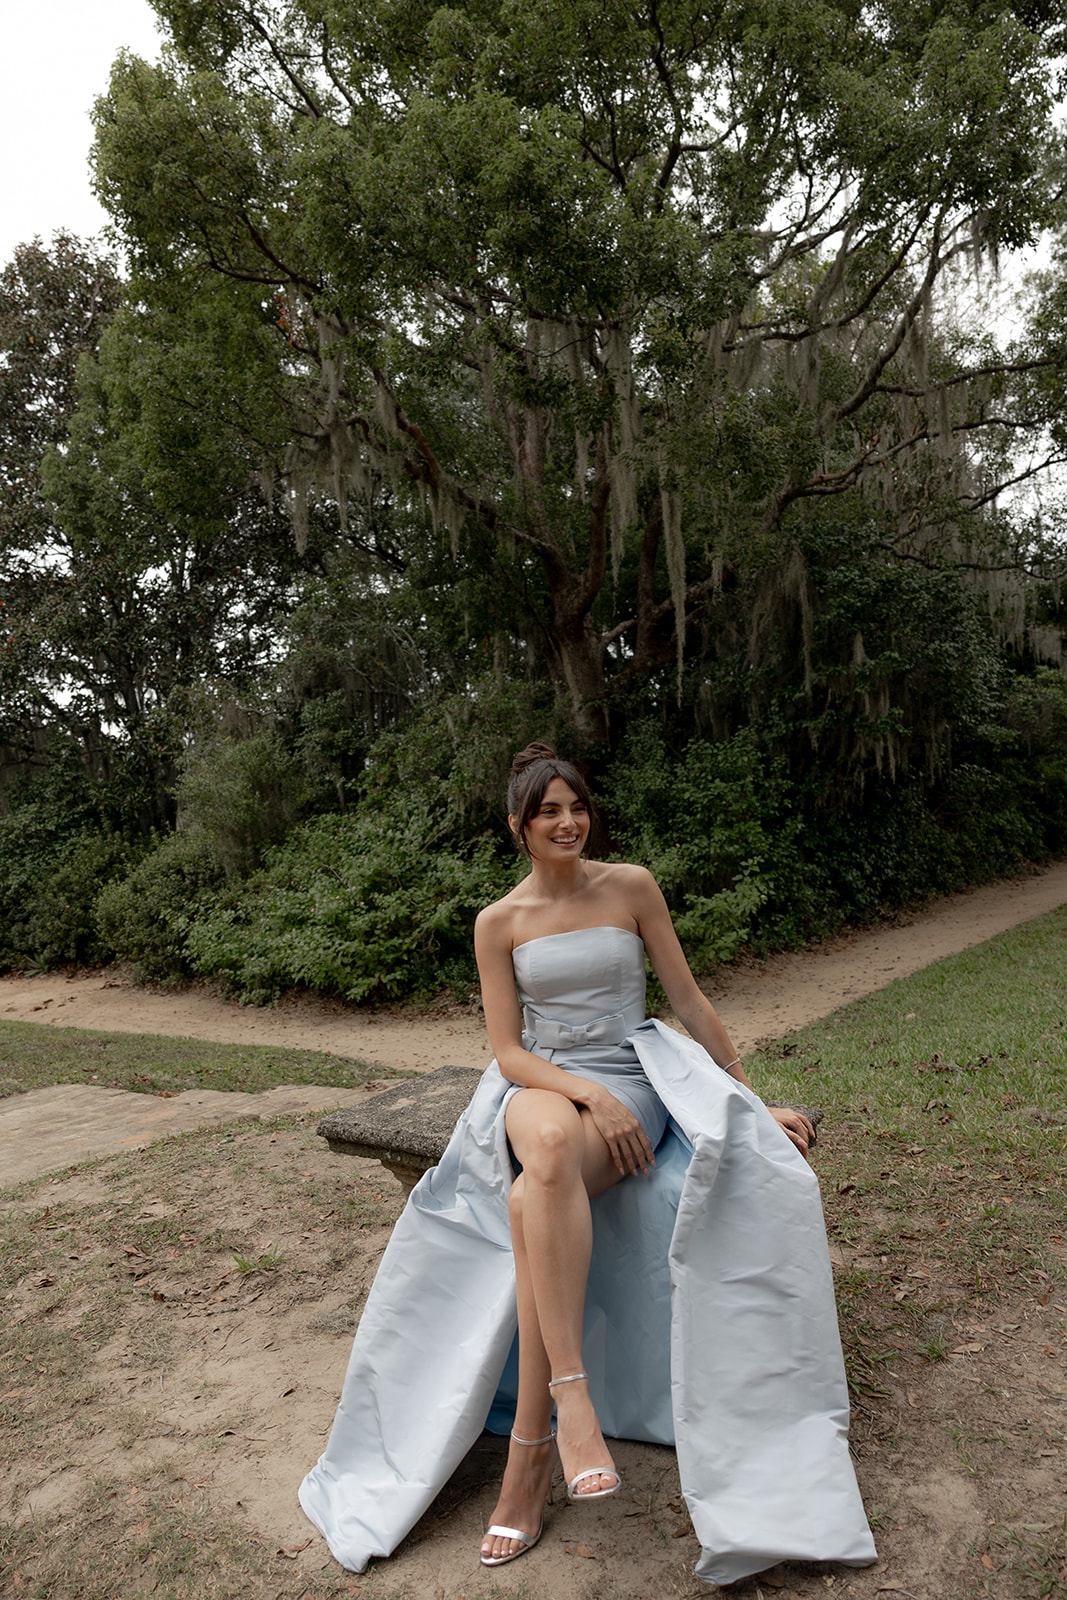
47, 1129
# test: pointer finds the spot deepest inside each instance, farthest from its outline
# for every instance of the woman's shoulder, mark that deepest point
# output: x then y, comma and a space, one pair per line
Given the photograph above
622, 875
499, 915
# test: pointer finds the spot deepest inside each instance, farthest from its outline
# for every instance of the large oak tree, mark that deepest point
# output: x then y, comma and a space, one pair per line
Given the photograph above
611, 290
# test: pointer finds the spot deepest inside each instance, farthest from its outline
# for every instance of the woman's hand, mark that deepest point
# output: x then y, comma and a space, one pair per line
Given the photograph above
795, 1124
621, 1132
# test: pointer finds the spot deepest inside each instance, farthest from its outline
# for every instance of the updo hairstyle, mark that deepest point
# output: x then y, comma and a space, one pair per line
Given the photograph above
531, 773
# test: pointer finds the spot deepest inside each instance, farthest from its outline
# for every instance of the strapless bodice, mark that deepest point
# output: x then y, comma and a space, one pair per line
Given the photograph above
581, 989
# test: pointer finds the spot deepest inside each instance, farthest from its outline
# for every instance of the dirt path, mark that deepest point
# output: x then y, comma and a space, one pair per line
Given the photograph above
757, 1000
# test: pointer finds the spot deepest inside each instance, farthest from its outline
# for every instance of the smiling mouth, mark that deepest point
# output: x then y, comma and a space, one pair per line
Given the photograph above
570, 838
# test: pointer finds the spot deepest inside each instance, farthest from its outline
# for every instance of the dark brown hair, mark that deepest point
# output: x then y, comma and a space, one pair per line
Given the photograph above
531, 773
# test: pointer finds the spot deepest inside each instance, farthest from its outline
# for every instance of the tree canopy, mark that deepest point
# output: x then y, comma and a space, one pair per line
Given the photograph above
614, 293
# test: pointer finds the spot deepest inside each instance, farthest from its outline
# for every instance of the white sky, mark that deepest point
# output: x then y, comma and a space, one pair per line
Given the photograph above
57, 59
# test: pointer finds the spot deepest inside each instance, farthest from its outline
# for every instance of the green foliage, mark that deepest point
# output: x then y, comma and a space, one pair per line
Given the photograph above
580, 293
368, 906
142, 917
49, 898
55, 856
464, 392
238, 795
700, 823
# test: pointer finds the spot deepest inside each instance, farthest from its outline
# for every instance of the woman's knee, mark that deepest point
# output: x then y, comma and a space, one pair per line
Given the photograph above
553, 1149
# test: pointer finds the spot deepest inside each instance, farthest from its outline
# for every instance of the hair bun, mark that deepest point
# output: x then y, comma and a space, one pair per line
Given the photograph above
537, 751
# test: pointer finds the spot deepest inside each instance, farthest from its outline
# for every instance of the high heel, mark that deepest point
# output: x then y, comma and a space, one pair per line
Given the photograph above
524, 1539
589, 1472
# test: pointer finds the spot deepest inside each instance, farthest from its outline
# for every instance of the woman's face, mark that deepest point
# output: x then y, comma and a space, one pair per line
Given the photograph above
559, 827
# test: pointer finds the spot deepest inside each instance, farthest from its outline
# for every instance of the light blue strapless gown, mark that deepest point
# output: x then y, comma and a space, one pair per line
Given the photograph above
710, 1320
583, 995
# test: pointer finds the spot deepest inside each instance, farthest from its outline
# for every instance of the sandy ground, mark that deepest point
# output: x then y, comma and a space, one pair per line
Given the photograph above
215, 1392
757, 1000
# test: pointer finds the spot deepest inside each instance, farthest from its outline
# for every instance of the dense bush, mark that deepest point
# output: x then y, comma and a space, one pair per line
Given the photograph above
700, 823
368, 907
379, 902
241, 794
58, 847
143, 918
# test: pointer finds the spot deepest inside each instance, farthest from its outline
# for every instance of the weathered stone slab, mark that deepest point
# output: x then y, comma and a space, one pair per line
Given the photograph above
406, 1127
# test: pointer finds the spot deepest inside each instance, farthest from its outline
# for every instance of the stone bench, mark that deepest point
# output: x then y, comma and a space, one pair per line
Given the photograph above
407, 1127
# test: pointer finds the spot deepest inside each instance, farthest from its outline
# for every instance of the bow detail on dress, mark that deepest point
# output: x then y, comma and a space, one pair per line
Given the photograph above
551, 1034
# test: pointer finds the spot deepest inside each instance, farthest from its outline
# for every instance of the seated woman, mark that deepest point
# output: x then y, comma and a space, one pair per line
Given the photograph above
710, 1303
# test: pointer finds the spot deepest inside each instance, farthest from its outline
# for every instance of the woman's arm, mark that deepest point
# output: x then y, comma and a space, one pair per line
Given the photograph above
616, 1124
692, 1008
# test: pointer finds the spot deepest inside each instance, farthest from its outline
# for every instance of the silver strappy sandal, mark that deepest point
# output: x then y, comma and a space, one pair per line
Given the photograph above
526, 1540
589, 1472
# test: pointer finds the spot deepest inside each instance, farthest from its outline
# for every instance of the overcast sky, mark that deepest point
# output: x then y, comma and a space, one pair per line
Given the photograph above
57, 58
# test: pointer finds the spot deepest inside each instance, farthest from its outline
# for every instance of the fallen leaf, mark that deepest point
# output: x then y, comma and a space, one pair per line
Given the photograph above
12, 1394
293, 1550
157, 1294
884, 1588
913, 1398
581, 1550
988, 1563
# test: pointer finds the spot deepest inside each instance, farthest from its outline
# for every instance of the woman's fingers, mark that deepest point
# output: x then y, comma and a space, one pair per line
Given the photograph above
624, 1136
639, 1152
795, 1125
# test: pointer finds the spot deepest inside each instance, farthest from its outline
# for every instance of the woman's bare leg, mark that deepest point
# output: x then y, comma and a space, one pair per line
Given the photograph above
564, 1161
528, 1474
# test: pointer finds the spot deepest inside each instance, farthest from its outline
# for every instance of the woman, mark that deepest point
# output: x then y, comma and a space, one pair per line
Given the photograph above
704, 1315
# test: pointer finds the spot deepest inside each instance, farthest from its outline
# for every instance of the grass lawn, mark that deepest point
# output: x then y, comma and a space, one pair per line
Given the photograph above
33, 1056
131, 1287
946, 1119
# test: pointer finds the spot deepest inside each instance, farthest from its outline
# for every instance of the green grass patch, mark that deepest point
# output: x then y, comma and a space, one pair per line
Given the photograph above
33, 1056
942, 1157
968, 1057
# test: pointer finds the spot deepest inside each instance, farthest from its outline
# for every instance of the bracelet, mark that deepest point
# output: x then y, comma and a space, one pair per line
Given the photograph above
736, 1062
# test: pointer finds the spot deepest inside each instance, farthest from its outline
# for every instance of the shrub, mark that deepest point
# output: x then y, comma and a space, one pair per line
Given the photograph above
367, 906
48, 887
241, 795
145, 916
700, 824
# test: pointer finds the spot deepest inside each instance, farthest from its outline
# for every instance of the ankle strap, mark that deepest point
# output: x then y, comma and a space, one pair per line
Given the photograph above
573, 1377
546, 1440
